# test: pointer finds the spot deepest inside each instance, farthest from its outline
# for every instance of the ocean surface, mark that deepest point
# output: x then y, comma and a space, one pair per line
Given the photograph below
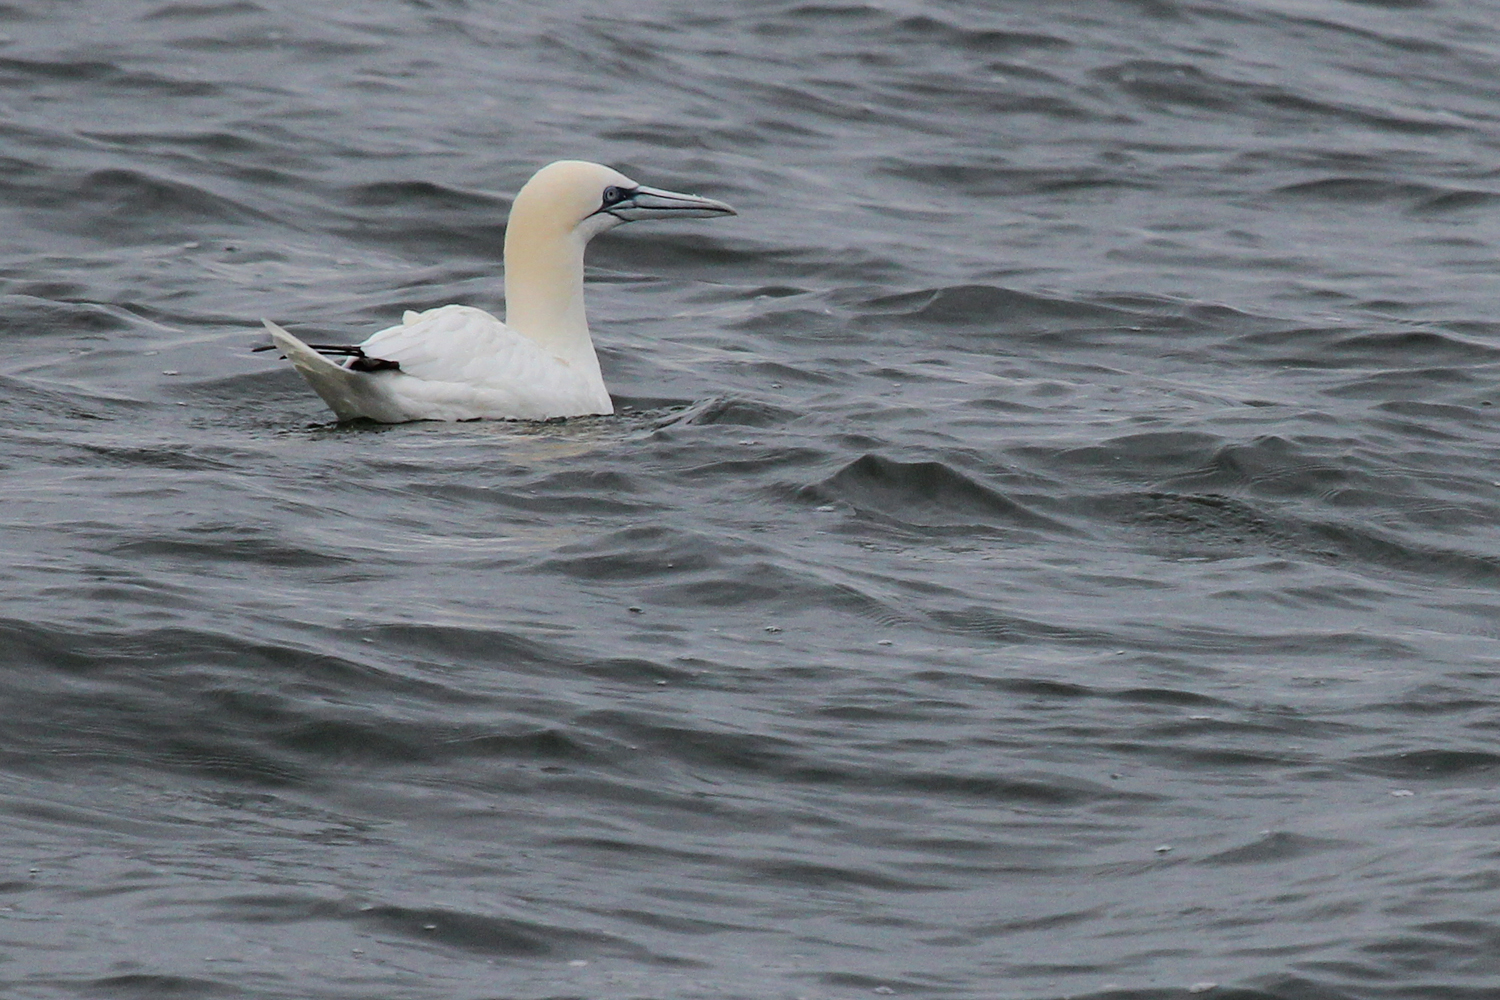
1047, 544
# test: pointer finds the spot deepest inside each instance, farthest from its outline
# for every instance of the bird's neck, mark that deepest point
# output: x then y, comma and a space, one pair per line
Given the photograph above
544, 289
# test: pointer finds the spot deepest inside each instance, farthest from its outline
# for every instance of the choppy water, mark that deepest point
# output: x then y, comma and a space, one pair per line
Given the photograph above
1047, 547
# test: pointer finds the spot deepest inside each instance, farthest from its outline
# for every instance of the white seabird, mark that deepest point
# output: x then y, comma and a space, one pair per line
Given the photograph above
461, 363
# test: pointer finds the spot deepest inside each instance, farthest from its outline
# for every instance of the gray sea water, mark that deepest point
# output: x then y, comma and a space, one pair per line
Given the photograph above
1047, 546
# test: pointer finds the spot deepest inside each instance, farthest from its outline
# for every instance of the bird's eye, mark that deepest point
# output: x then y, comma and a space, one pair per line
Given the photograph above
613, 195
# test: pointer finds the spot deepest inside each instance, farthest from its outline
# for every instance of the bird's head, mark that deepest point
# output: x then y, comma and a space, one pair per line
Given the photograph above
585, 199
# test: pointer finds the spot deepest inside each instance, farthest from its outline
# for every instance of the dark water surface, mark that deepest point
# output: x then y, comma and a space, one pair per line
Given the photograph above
1047, 547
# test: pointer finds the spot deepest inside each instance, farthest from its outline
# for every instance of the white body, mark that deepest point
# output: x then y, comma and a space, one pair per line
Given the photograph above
457, 363
461, 363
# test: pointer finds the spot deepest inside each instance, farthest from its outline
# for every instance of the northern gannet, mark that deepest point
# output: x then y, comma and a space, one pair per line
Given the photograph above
461, 363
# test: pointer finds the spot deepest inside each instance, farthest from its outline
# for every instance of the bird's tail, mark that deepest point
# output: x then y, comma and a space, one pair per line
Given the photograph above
350, 394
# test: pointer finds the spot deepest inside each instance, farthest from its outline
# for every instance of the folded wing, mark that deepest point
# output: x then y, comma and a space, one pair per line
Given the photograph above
457, 357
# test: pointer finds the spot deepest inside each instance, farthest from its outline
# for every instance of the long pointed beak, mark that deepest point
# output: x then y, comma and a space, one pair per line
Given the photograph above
654, 203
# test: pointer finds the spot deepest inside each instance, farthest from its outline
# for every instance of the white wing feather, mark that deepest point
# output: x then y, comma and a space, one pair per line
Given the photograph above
457, 344
458, 363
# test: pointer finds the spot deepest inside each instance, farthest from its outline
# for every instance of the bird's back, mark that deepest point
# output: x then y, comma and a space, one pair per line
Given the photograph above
461, 359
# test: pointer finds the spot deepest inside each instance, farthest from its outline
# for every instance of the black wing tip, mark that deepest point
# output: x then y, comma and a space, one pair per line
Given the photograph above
358, 360
364, 363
